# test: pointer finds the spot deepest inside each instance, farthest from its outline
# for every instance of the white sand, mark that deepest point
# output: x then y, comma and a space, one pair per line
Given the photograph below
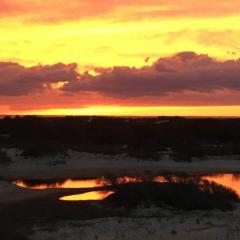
167, 225
143, 224
80, 164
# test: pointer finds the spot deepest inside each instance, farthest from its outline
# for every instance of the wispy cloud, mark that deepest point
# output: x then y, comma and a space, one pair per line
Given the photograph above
64, 10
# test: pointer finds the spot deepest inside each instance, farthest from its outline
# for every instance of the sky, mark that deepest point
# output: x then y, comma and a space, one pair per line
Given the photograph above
128, 57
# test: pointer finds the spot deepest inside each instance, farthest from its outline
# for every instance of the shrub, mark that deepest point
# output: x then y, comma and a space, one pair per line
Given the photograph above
187, 196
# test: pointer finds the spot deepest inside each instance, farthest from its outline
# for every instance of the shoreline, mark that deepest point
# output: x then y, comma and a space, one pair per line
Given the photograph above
92, 169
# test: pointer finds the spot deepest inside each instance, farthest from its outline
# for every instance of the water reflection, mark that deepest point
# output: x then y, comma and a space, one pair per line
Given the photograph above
79, 183
95, 195
228, 180
69, 183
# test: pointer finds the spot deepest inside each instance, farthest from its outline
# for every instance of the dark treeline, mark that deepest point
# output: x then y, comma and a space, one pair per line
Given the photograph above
146, 138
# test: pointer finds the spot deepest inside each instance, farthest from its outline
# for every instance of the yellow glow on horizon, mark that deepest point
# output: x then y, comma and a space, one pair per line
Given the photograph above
224, 111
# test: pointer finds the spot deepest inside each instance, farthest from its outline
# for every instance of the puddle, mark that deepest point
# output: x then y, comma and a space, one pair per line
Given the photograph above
95, 195
228, 180
78, 183
69, 183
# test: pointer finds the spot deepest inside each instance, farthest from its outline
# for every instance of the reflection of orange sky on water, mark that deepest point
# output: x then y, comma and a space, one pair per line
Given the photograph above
96, 195
226, 180
159, 179
67, 184
124, 180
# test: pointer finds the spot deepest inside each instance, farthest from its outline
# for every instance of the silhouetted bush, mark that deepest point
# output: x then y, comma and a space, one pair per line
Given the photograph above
36, 182
187, 196
145, 138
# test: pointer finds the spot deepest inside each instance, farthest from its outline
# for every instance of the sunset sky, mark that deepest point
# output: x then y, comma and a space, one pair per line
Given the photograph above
128, 57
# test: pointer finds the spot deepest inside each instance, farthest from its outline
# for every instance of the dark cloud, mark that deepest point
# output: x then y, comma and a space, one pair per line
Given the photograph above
168, 77
16, 80
185, 71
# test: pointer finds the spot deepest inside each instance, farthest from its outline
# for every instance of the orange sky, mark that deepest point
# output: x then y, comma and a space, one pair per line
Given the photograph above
109, 57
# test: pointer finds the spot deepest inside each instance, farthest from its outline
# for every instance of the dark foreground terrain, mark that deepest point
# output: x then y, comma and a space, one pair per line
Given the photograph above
18, 219
145, 138
182, 209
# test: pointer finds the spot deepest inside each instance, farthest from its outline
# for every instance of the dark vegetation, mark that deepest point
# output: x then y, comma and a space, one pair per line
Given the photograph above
10, 231
36, 182
186, 192
180, 192
17, 219
145, 138
4, 159
192, 194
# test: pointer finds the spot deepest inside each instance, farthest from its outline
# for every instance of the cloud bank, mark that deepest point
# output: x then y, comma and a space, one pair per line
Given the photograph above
185, 71
17, 80
187, 76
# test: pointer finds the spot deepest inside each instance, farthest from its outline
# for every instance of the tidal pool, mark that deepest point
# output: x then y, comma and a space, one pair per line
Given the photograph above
229, 180
75, 183
69, 183
94, 195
